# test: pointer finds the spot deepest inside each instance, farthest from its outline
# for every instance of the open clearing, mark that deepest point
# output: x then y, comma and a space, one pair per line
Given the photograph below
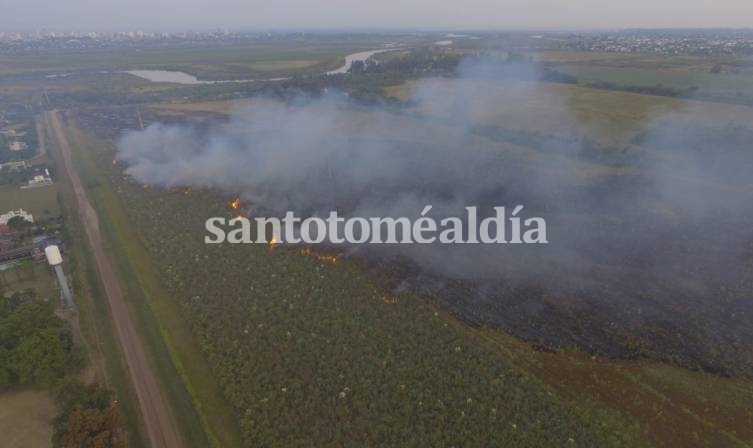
30, 275
26, 419
42, 202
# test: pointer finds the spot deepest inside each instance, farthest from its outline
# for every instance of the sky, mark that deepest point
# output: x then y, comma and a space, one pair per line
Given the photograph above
19, 15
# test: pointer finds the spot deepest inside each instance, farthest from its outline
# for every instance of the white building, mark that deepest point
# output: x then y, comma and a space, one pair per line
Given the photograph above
13, 213
17, 146
38, 181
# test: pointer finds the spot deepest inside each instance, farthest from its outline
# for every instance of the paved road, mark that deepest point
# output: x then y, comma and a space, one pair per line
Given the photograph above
159, 420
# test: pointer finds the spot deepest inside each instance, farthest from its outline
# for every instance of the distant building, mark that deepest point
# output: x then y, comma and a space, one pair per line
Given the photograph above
13, 213
16, 253
17, 146
14, 165
38, 181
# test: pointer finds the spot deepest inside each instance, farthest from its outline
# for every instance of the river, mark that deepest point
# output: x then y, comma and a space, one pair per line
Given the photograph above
178, 77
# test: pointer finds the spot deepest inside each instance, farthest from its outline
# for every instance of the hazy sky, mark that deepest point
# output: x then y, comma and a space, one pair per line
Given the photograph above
322, 14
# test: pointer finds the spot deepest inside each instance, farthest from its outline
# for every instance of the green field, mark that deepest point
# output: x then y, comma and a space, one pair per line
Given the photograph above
678, 73
211, 61
42, 202
680, 79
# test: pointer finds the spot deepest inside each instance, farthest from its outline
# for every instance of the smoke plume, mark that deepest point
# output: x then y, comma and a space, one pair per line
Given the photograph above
648, 227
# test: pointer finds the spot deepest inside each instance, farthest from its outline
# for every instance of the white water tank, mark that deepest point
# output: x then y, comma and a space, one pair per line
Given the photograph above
53, 255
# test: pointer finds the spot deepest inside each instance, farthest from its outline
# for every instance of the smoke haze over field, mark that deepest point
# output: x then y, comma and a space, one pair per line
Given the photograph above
649, 226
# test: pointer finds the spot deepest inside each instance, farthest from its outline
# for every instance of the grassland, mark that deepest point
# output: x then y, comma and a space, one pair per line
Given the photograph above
680, 79
273, 311
679, 72
673, 406
42, 202
314, 353
26, 419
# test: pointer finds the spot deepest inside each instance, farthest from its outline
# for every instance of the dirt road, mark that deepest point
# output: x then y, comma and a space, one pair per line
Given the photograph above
161, 428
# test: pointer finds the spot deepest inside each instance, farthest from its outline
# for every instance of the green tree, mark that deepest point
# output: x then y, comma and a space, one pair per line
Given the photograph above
89, 417
92, 428
18, 224
40, 359
36, 347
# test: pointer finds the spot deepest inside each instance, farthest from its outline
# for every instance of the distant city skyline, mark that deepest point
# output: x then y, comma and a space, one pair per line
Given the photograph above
172, 15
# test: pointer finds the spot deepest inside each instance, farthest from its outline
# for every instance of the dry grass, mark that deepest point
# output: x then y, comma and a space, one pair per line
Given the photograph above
221, 107
295, 64
41, 202
26, 419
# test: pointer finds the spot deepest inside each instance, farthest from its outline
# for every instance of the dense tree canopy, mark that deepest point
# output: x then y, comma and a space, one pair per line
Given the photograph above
36, 347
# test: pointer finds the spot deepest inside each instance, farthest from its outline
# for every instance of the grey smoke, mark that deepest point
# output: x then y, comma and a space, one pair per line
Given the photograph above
648, 226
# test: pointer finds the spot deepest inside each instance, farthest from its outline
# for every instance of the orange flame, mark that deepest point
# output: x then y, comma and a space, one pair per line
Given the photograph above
307, 252
390, 300
235, 204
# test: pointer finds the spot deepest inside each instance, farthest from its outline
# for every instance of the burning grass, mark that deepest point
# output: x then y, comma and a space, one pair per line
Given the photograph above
256, 309
265, 310
302, 344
